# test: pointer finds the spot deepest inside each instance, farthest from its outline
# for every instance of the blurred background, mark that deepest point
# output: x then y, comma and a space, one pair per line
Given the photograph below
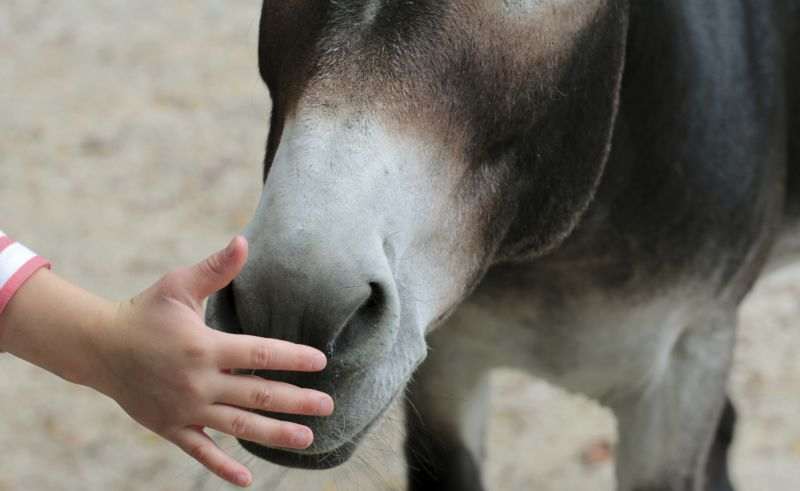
131, 141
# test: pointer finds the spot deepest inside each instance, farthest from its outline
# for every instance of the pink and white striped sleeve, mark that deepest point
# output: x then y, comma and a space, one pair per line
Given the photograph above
17, 264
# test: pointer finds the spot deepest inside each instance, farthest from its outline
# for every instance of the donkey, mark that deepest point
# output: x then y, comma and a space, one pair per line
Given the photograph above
582, 189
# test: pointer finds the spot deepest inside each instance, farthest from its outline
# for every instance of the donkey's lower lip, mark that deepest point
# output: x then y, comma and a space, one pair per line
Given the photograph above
288, 458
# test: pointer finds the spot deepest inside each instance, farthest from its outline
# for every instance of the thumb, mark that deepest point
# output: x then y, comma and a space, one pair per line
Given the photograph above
218, 270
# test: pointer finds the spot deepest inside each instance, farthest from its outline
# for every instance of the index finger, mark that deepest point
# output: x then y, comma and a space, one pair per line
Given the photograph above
238, 351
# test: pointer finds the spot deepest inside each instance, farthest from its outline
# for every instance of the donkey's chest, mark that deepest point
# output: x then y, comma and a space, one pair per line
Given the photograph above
596, 345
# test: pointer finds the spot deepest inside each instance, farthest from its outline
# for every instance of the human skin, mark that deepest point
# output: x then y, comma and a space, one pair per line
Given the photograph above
158, 360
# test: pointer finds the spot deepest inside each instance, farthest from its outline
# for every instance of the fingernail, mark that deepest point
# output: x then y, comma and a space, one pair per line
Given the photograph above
325, 405
231, 249
242, 479
302, 438
319, 362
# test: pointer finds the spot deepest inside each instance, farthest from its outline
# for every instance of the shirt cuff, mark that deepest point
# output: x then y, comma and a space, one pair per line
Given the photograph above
17, 265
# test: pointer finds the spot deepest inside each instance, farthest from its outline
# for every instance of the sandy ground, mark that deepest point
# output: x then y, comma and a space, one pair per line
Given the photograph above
130, 140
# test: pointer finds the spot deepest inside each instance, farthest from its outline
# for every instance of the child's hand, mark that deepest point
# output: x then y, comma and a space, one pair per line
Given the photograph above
172, 374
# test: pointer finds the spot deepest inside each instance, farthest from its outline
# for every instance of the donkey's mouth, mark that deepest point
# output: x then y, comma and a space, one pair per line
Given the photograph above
316, 461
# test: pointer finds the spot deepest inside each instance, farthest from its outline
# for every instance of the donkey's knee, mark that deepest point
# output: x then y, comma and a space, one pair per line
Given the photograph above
717, 474
675, 430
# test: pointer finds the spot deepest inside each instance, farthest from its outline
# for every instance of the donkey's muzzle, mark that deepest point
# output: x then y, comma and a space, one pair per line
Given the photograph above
338, 300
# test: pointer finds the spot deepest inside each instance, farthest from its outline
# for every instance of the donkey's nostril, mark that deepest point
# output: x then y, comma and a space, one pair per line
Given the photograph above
376, 300
360, 325
221, 311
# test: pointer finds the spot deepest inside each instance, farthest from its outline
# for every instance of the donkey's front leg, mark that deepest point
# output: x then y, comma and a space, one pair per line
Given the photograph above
667, 426
445, 418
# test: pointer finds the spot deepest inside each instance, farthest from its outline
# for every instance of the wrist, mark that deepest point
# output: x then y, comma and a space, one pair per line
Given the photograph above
93, 339
56, 326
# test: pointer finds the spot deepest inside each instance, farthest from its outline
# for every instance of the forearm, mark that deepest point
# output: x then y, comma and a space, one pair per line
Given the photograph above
53, 324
